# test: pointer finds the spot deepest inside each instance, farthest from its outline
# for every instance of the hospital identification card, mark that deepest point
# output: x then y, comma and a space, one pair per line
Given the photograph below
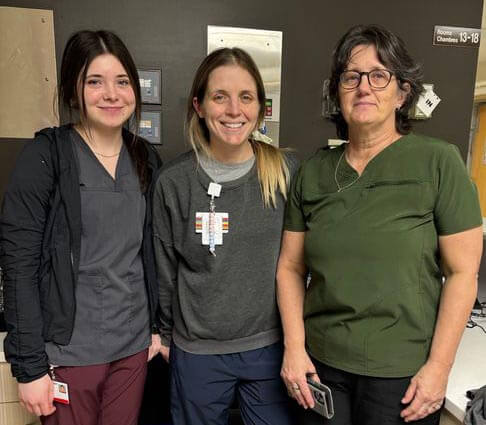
61, 392
221, 225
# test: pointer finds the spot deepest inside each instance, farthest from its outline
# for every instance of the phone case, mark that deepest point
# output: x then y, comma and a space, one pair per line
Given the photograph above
322, 397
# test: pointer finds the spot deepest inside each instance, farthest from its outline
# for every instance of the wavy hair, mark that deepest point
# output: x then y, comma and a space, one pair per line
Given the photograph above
393, 54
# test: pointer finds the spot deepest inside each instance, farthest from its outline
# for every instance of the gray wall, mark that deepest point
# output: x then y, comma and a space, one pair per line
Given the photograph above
171, 34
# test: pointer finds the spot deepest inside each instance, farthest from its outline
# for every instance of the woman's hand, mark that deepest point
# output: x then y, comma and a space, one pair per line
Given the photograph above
38, 396
426, 391
155, 347
296, 366
165, 352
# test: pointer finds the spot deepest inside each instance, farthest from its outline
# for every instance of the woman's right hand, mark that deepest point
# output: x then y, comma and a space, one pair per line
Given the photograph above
165, 352
38, 396
296, 366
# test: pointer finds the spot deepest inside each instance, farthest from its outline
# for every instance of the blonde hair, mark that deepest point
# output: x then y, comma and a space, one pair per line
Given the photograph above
273, 170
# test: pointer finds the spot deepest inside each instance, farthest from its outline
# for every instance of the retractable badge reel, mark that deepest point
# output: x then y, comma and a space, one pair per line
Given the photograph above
212, 224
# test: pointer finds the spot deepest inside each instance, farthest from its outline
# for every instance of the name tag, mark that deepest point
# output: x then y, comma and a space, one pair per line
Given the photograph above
221, 226
61, 392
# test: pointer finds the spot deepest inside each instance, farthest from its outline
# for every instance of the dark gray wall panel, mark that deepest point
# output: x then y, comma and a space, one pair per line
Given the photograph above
172, 35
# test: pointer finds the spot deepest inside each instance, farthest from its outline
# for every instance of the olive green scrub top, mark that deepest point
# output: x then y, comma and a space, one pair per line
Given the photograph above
372, 251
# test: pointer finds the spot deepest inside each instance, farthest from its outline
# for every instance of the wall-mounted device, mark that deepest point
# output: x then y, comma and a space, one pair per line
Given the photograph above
150, 126
329, 108
426, 103
151, 92
150, 85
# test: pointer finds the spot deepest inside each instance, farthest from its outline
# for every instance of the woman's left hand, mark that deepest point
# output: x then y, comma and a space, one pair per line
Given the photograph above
426, 392
155, 347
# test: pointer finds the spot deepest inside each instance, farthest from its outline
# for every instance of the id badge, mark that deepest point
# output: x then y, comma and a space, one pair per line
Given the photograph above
221, 226
61, 392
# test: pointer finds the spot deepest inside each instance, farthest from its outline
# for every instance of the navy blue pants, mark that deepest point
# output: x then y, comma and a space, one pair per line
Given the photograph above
204, 387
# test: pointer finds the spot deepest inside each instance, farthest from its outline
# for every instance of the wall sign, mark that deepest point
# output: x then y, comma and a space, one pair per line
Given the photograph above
456, 36
428, 101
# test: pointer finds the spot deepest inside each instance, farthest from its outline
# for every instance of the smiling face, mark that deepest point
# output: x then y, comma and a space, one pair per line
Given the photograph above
108, 94
229, 108
365, 106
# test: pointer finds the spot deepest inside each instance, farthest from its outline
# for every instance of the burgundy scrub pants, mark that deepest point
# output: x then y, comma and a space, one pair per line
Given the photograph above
106, 394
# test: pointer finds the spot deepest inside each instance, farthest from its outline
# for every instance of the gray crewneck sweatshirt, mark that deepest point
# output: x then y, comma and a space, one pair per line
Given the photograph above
223, 304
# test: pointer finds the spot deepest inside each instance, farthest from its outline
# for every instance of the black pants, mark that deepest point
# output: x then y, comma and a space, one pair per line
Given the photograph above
363, 400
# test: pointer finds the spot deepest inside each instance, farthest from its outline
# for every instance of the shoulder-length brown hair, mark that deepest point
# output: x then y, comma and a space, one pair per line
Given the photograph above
393, 54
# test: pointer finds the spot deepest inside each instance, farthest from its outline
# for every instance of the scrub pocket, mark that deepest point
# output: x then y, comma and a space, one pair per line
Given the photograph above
89, 310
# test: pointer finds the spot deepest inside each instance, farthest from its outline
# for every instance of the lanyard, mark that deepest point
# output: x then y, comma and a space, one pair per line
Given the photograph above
214, 190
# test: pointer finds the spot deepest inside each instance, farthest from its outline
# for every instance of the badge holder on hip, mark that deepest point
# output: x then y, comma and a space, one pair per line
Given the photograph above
61, 391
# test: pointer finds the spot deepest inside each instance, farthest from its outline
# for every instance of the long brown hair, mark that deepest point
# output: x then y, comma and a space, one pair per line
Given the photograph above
81, 49
273, 171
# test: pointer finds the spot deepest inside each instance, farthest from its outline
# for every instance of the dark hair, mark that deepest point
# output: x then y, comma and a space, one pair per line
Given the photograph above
81, 49
393, 54
220, 57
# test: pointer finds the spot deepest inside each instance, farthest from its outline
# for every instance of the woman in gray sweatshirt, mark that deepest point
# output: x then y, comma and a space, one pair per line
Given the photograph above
218, 215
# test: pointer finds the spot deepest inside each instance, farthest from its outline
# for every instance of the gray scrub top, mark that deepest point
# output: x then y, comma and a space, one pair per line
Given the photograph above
112, 317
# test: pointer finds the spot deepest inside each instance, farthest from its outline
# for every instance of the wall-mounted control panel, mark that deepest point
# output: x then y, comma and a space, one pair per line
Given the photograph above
150, 126
150, 85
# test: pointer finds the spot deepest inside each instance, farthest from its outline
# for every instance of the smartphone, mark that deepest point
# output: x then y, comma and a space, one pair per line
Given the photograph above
322, 398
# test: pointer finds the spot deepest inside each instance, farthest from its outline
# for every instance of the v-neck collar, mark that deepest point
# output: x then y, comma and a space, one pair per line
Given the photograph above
86, 148
346, 171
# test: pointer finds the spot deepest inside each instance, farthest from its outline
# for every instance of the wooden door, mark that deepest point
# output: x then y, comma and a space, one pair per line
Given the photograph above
478, 158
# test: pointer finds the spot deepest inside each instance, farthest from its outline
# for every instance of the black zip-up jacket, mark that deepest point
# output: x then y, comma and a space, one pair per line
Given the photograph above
40, 239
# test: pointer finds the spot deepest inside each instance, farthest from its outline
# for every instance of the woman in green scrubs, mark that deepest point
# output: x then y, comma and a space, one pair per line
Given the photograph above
389, 228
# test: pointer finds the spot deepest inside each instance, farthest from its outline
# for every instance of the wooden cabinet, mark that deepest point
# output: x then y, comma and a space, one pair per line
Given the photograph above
11, 412
447, 419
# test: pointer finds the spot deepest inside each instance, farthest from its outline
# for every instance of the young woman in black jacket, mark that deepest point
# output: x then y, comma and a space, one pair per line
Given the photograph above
76, 248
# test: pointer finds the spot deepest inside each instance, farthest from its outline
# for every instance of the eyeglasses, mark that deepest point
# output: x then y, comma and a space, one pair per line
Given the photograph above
378, 78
